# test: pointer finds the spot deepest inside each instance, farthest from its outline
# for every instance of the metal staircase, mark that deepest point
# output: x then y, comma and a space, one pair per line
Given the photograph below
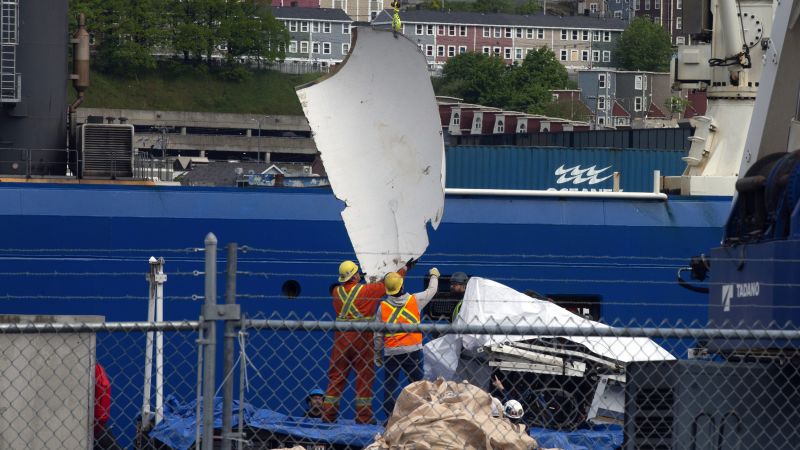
10, 80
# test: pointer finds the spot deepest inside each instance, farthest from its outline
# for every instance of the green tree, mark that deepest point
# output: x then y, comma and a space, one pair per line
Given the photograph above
528, 7
676, 105
644, 45
493, 6
477, 78
532, 81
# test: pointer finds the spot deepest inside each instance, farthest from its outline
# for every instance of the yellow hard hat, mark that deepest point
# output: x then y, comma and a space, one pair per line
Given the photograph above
393, 282
346, 270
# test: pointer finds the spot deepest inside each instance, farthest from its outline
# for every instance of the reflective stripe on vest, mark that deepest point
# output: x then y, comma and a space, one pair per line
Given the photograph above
349, 310
408, 313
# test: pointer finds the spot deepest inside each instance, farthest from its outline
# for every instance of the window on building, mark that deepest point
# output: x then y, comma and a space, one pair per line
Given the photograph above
554, 97
451, 30
575, 35
451, 51
637, 104
678, 22
657, 20
462, 30
346, 28
564, 55
680, 40
601, 102
601, 120
522, 127
456, 118
678, 4
509, 32
440, 30
346, 48
429, 50
440, 50
596, 36
316, 27
326, 48
429, 30
500, 126
292, 46
498, 32
606, 36
462, 49
618, 14
564, 35
646, 4
593, 7
419, 29
315, 47
293, 26
620, 121
596, 55
498, 51
487, 50
326, 27
507, 53
304, 27
585, 35
477, 122
529, 33
519, 33
518, 53
637, 83
601, 81
303, 46
636, 5
606, 56
584, 55
487, 32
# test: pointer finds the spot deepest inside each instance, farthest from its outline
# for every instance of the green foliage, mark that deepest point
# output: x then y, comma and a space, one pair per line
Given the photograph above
129, 33
486, 6
487, 80
676, 105
644, 45
181, 87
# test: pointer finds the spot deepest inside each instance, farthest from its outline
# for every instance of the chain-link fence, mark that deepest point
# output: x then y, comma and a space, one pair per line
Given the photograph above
495, 368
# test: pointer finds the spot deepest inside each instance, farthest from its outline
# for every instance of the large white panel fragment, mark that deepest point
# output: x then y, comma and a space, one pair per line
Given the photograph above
376, 124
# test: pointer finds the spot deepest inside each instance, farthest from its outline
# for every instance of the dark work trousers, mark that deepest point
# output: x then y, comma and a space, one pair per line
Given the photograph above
103, 439
410, 364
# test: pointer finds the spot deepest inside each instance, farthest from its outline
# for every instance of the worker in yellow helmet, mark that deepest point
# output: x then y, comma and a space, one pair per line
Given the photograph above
353, 301
403, 351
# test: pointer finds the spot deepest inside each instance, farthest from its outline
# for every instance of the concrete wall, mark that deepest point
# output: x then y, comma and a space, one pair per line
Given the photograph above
139, 117
47, 381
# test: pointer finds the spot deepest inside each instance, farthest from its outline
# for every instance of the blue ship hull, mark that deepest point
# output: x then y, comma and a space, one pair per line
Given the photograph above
624, 252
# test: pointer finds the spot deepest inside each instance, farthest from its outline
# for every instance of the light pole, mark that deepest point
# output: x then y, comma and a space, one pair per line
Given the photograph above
258, 145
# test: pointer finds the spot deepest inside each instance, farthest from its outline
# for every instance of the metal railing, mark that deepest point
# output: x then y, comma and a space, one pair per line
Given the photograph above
29, 163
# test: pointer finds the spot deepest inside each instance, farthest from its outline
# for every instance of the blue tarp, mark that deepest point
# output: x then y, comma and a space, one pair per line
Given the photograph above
599, 437
177, 430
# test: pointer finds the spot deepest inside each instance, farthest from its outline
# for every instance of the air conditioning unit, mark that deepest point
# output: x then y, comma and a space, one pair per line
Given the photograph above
106, 150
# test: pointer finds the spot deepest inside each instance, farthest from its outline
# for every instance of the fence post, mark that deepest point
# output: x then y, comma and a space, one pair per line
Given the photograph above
230, 336
209, 353
155, 313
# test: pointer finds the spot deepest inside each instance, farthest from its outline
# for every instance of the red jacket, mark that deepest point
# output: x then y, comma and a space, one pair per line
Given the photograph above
367, 300
102, 395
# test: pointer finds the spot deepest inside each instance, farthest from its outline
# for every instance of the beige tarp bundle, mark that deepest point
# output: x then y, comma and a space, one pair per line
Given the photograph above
448, 415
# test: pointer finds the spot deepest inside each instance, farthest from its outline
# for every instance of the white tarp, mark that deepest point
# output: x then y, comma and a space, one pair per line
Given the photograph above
376, 124
489, 302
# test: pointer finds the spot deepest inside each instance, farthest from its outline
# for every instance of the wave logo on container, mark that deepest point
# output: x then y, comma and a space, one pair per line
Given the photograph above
738, 290
577, 175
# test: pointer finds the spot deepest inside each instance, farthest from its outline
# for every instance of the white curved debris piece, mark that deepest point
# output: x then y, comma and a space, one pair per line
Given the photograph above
376, 124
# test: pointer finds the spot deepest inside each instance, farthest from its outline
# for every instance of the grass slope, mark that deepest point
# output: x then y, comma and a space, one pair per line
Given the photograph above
264, 92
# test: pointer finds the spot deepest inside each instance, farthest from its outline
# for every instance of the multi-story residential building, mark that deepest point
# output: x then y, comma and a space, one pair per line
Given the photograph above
622, 98
316, 34
577, 41
358, 10
620, 9
667, 13
296, 3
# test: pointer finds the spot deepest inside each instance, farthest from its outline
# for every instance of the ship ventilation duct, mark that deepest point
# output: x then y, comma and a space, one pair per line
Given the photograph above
106, 150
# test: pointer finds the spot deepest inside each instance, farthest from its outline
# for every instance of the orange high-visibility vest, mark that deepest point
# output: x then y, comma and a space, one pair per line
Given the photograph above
408, 313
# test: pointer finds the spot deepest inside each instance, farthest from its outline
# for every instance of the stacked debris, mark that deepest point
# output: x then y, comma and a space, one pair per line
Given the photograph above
449, 415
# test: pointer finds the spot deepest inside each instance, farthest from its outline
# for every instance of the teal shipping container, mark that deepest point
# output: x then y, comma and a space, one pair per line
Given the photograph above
542, 168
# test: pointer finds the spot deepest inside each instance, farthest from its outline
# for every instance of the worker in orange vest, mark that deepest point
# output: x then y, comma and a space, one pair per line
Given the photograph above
353, 301
403, 350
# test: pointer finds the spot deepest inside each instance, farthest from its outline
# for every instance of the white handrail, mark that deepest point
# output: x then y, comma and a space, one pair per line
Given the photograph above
557, 194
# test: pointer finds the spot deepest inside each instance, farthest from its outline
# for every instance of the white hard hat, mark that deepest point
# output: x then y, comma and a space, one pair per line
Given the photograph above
513, 410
